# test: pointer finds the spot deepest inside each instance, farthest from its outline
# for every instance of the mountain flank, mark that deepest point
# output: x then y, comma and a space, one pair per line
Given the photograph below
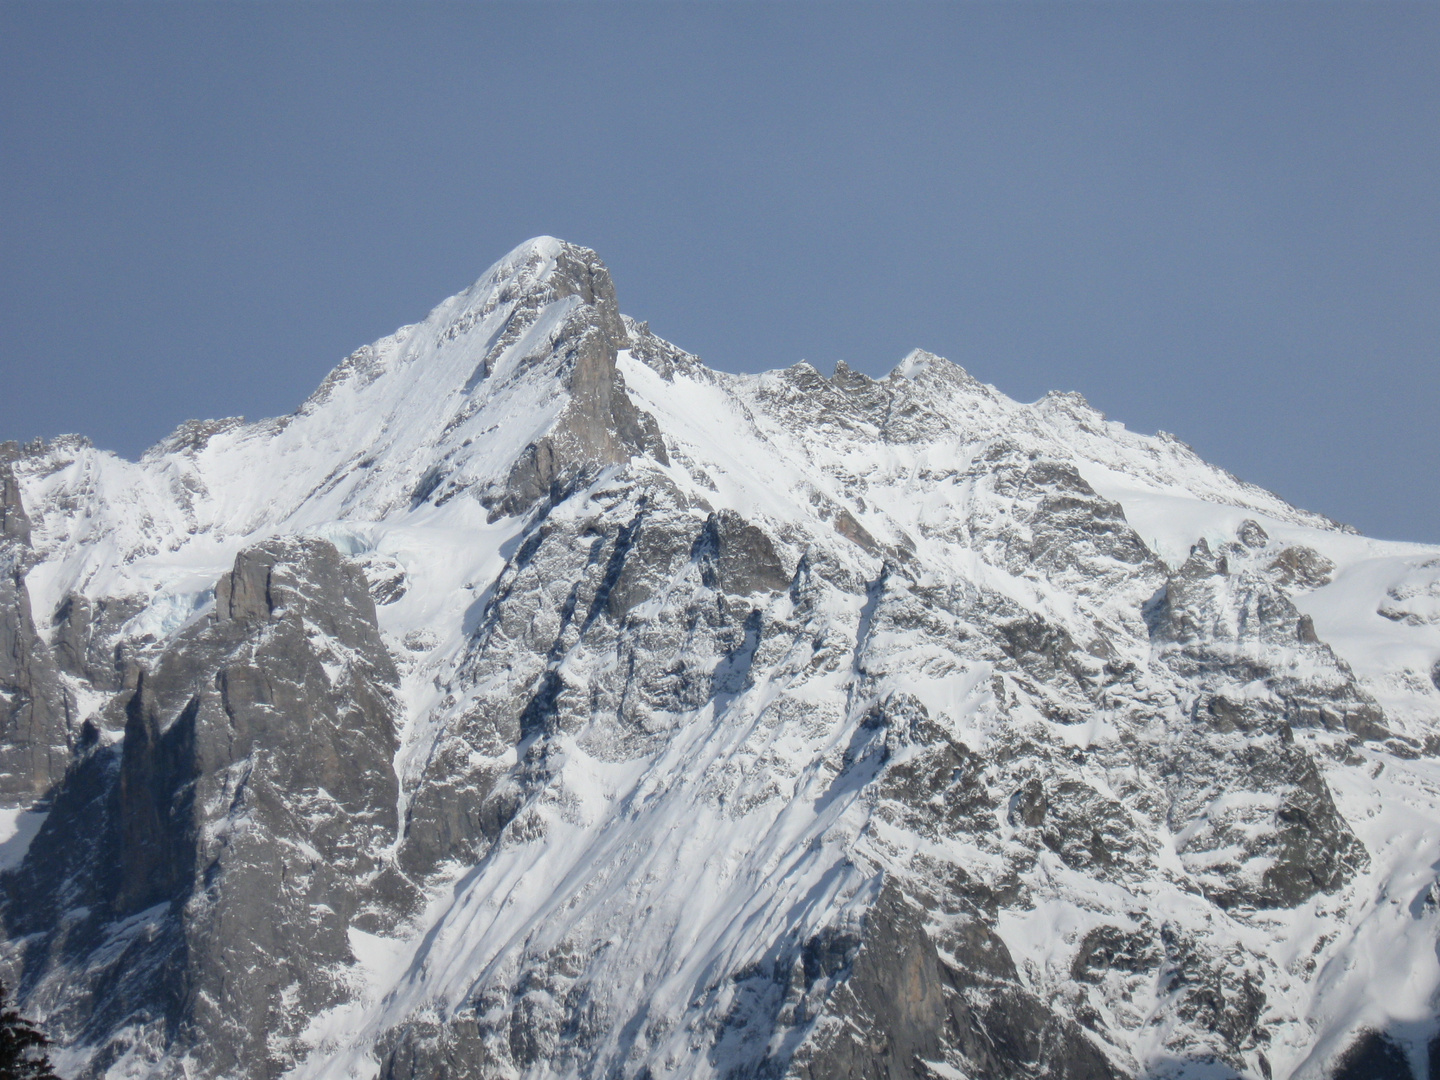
536, 701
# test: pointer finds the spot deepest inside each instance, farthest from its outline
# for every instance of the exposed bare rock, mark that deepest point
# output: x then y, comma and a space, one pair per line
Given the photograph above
235, 832
35, 711
1301, 567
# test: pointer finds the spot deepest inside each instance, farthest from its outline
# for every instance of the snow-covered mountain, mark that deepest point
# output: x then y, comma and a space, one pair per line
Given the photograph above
537, 702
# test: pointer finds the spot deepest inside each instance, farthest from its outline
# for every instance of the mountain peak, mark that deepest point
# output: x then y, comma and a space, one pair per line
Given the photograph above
522, 741
504, 389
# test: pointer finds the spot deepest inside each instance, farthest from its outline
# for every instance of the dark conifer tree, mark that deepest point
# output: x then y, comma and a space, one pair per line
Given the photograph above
22, 1046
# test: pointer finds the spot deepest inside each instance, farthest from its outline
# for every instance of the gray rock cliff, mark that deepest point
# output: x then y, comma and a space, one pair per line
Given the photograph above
219, 851
34, 708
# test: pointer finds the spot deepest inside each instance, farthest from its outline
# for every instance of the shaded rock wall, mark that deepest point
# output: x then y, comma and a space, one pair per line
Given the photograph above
34, 707
190, 895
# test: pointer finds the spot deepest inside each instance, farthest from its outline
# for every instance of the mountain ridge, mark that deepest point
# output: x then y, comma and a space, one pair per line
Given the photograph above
715, 725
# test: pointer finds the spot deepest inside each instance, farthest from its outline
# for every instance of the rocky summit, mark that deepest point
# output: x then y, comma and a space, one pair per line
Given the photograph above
536, 702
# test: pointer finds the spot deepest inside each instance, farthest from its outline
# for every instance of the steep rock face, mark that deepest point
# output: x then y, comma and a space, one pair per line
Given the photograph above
89, 640
221, 849
558, 706
34, 709
600, 425
903, 1009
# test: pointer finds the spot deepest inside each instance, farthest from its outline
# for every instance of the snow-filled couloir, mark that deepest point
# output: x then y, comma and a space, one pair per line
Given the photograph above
537, 702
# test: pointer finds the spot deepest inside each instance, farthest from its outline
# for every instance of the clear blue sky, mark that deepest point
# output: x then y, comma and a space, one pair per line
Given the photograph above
1222, 220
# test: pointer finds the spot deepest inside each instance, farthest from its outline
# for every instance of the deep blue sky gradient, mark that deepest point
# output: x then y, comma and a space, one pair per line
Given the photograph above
1218, 219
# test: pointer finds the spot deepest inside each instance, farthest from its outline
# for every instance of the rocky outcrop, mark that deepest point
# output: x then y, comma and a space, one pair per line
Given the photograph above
14, 522
1375, 1056
34, 708
901, 1009
89, 641
737, 557
211, 863
600, 425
